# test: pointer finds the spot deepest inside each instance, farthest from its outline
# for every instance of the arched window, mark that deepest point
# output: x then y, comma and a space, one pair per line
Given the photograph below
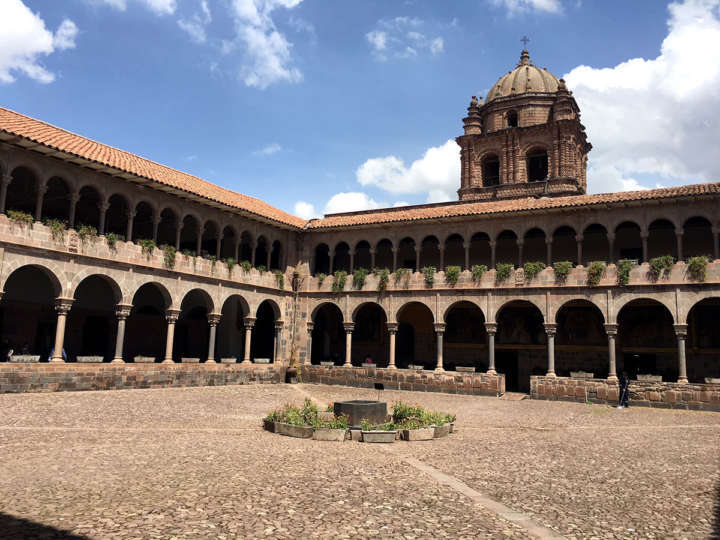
491, 170
537, 165
512, 119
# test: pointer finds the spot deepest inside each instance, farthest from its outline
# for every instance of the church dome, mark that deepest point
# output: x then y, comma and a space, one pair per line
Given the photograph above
524, 79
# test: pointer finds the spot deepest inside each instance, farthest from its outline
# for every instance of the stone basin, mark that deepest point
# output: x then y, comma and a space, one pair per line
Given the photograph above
357, 409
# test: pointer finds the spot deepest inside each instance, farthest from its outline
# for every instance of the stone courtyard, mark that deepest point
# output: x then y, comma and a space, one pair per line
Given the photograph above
194, 463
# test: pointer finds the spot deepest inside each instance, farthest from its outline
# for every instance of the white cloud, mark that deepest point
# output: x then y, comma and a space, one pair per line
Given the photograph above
352, 201
402, 37
305, 210
268, 150
437, 173
657, 116
24, 38
195, 25
160, 7
268, 57
518, 6
117, 4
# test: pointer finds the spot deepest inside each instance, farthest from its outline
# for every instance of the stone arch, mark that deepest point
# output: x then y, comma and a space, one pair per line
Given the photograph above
534, 245
88, 273
363, 259
23, 189
564, 244
624, 299
116, 217
370, 336
168, 299
56, 201
384, 254
202, 294
703, 340
465, 340
246, 246
406, 254
595, 244
210, 238
698, 237
661, 238
362, 304
457, 302
506, 248
430, 252
87, 208
581, 340
264, 332
144, 221
168, 226
192, 330
341, 257
146, 327
480, 250
190, 234
328, 334
454, 251
229, 243
231, 329
277, 311
628, 241
416, 339
321, 259
51, 270
321, 305
521, 343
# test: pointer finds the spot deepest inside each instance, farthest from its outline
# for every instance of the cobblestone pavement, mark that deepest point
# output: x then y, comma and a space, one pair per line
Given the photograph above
193, 463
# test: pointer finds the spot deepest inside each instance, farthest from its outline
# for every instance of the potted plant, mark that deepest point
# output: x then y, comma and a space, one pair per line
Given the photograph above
293, 424
384, 433
414, 429
330, 430
271, 420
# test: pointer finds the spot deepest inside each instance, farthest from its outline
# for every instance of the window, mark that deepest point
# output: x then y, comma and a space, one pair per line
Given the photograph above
537, 165
490, 170
512, 119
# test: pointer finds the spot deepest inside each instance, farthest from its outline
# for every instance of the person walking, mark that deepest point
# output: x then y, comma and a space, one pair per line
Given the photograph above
624, 387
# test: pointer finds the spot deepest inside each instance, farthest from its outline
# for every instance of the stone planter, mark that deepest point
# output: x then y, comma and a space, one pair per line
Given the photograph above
581, 375
89, 359
144, 360
228, 360
465, 369
190, 360
367, 364
378, 436
327, 364
326, 416
25, 358
261, 361
711, 380
421, 434
327, 434
650, 378
416, 368
452, 426
441, 431
269, 425
301, 432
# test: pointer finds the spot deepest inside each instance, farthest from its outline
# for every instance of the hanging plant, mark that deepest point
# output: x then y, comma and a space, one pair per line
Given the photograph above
147, 246
429, 272
359, 276
562, 269
595, 273
697, 267
503, 271
213, 262
321, 277
86, 232
57, 229
660, 266
623, 271
532, 269
230, 263
280, 279
20, 218
111, 239
383, 278
452, 274
246, 266
187, 253
477, 271
261, 269
339, 281
168, 256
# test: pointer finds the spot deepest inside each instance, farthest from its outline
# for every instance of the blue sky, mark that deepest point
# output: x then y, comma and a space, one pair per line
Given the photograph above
317, 105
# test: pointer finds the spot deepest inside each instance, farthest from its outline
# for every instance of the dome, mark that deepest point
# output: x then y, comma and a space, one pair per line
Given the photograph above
525, 78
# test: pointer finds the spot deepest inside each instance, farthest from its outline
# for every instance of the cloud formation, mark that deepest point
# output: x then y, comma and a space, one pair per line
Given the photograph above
402, 37
196, 24
160, 7
519, 6
24, 39
268, 150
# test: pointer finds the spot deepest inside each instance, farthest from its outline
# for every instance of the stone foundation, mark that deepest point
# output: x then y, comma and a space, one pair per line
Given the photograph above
402, 379
665, 395
16, 378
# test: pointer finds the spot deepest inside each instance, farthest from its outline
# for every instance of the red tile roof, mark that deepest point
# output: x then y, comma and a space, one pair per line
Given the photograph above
67, 142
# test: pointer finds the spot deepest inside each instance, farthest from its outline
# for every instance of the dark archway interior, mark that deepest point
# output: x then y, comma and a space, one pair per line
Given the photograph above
87, 209
384, 254
167, 228
231, 330
362, 255
430, 253
146, 327
480, 251
263, 334
22, 191
229, 244
628, 243
416, 340
520, 345
192, 332
595, 246
143, 223
91, 326
581, 341
564, 245
661, 239
491, 170
465, 341
328, 336
116, 217
370, 337
189, 235
534, 247
261, 253
406, 254
703, 341
698, 238
322, 259
537, 163
506, 248
341, 260
209, 244
276, 256
454, 251
246, 249
56, 201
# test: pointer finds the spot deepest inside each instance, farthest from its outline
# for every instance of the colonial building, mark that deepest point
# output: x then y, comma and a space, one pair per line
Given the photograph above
525, 284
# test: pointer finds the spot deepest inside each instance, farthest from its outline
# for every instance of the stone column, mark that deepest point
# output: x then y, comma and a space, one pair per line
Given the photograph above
122, 312
349, 327
332, 261
4, 183
395, 250
213, 321
579, 240
548, 251
611, 330
372, 259
237, 251
178, 234
129, 228
418, 250
466, 247
171, 316
276, 339
550, 330
716, 237
268, 251
679, 237
308, 355
392, 331
491, 329
681, 333
611, 247
249, 322
520, 245
439, 331
352, 261
644, 238
42, 189
103, 212
62, 306
492, 254
252, 253
74, 198
218, 245
442, 259
156, 224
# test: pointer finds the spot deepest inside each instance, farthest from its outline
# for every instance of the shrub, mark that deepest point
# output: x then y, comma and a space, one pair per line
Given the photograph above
452, 274
261, 269
147, 247
562, 270
383, 278
111, 239
532, 269
477, 271
623, 271
661, 266
279, 279
321, 277
595, 272
697, 267
213, 262
57, 229
402, 274
230, 263
86, 232
246, 266
168, 256
339, 281
503, 271
429, 272
359, 276
187, 253
20, 218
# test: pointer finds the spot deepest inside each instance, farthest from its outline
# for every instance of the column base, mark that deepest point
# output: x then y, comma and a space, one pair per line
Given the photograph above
167, 361
246, 361
682, 380
391, 366
491, 372
117, 361
210, 361
550, 374
57, 361
347, 364
439, 370
612, 378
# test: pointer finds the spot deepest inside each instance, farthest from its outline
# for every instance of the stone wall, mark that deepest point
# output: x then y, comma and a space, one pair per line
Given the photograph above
403, 379
664, 395
16, 378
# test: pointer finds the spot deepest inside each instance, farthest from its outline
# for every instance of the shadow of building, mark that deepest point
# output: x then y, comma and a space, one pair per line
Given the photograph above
15, 528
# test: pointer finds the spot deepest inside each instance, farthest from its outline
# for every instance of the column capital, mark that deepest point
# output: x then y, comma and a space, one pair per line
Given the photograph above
75, 197
681, 330
63, 305
6, 179
104, 206
466, 244
171, 315
679, 232
214, 319
392, 327
372, 251
579, 237
349, 327
549, 240
520, 242
439, 328
611, 329
310, 327
491, 328
249, 322
551, 329
122, 311
42, 188
610, 236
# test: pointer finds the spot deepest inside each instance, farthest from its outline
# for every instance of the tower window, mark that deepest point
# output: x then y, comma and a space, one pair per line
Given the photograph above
537, 165
491, 170
512, 119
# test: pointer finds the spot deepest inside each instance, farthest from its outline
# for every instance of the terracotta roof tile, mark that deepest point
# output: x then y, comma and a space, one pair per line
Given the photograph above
64, 141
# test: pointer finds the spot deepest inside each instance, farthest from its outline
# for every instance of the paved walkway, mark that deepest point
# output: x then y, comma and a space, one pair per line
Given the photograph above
193, 463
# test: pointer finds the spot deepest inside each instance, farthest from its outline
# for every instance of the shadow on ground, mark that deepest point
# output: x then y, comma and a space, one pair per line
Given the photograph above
14, 528
715, 532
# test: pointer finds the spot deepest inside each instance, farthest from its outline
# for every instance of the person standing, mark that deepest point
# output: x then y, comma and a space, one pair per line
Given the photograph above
624, 387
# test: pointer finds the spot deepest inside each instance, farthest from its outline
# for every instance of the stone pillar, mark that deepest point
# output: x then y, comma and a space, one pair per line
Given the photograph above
492, 254
372, 259
252, 253
349, 327
550, 330
439, 331
611, 330
716, 237
332, 261
129, 228
218, 245
611, 247
171, 315
156, 224
548, 250
679, 237
276, 339
395, 250
268, 251
491, 329
62, 306
418, 250
466, 247
122, 312
237, 251
352, 261
644, 238
520, 245
213, 321
178, 234
74, 198
42, 189
681, 333
442, 259
579, 240
310, 327
392, 330
5, 182
103, 212
249, 322
198, 243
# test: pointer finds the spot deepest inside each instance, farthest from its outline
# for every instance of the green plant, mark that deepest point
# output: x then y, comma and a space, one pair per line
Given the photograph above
383, 278
57, 229
450, 418
503, 271
359, 276
321, 277
661, 266
402, 274
365, 425
21, 218
623, 271
562, 269
187, 253
429, 272
86, 232
452, 274
279, 279
246, 266
309, 410
111, 239
697, 267
261, 269
230, 263
168, 256
532, 269
477, 271
330, 408
147, 246
595, 273
339, 281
